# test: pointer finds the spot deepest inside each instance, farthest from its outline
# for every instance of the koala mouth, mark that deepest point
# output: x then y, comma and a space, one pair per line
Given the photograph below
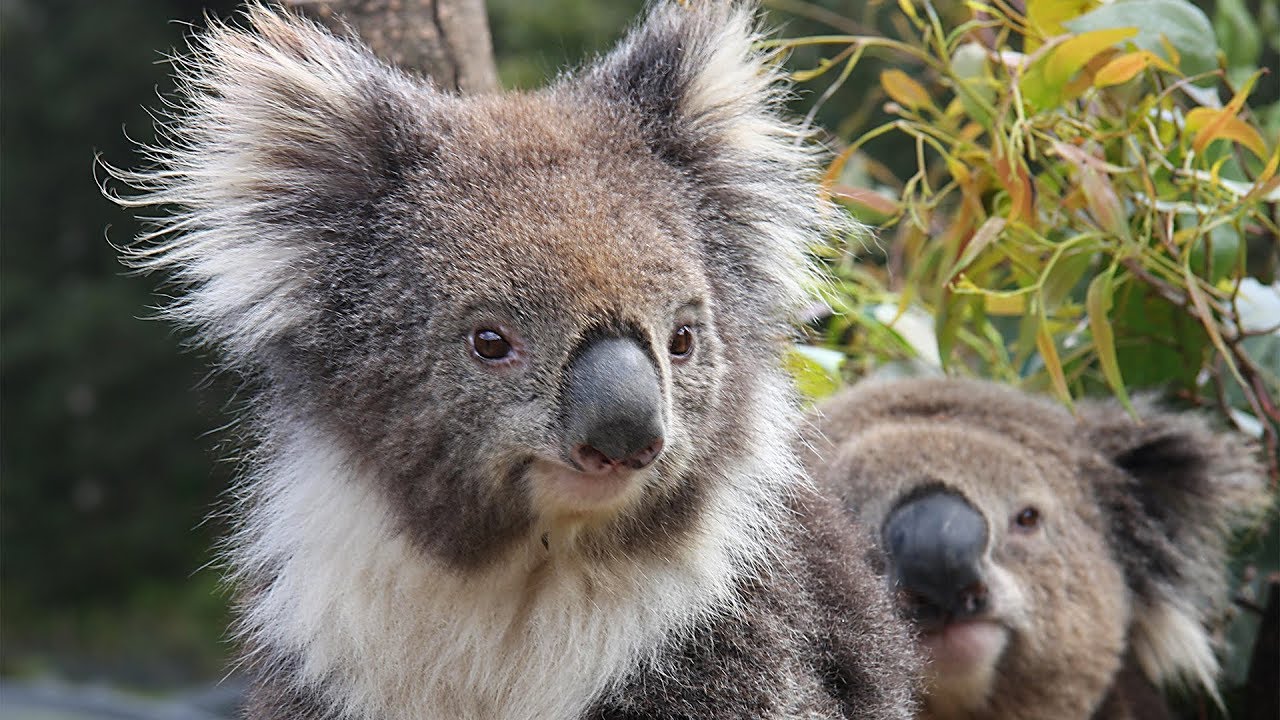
562, 491
962, 660
964, 646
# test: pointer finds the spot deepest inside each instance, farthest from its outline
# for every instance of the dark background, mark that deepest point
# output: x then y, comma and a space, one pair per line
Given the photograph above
111, 465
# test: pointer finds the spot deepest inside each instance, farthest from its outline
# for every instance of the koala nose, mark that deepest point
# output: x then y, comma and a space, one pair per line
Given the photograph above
612, 407
935, 544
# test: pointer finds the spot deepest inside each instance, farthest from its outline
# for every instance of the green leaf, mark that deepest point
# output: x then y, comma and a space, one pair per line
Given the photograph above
1185, 26
1157, 344
1098, 304
1047, 16
947, 324
812, 378
1045, 81
987, 234
975, 86
1064, 61
1064, 277
1237, 32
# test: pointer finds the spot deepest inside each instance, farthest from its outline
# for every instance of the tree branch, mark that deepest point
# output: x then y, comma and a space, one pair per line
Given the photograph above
445, 40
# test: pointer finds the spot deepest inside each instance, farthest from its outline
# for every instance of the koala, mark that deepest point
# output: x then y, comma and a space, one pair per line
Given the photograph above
1054, 565
522, 444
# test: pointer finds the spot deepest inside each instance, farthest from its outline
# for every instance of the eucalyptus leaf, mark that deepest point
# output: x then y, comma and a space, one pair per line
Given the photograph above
812, 378
1238, 33
1185, 26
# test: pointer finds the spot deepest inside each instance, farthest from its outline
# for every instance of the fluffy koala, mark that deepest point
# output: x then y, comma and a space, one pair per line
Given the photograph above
524, 444
1055, 565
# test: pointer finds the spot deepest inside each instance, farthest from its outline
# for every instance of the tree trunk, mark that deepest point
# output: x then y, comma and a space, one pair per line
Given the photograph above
444, 40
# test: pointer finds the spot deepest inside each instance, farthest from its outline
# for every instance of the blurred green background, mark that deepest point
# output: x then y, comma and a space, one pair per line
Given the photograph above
110, 435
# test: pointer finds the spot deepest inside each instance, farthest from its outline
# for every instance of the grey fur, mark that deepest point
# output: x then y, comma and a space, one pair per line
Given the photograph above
343, 229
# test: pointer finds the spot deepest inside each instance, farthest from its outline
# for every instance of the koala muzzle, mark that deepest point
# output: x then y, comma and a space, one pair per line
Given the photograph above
936, 543
612, 407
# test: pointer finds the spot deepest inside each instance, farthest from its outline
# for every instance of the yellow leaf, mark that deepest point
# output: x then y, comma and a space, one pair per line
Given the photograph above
909, 9
1008, 305
1017, 182
1267, 179
971, 132
1052, 363
905, 91
1084, 79
1047, 16
1208, 320
1170, 51
1122, 69
1098, 304
1066, 60
1209, 125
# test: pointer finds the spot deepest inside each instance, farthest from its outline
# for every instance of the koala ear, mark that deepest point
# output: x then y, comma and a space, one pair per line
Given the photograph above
692, 75
707, 101
280, 138
1181, 491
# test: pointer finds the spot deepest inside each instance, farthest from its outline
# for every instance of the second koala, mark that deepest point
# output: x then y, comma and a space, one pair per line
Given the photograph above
1057, 565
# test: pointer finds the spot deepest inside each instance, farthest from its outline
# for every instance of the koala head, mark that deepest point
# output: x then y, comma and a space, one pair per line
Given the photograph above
523, 313
1040, 554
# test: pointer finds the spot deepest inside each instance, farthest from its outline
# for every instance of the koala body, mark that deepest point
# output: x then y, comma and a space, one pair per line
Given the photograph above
524, 443
1056, 565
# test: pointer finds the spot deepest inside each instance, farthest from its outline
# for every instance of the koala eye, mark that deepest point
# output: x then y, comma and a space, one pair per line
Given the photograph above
681, 345
1027, 519
489, 345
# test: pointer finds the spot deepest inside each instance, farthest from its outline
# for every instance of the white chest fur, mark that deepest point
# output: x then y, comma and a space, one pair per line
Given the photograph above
383, 630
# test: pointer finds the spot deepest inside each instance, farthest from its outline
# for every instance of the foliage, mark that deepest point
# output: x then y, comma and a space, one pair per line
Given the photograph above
1083, 213
1072, 196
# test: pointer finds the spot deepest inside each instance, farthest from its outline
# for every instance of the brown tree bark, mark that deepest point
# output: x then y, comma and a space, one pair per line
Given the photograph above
445, 40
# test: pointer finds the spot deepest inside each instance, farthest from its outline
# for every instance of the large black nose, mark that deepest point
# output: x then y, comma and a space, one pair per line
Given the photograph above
935, 543
612, 406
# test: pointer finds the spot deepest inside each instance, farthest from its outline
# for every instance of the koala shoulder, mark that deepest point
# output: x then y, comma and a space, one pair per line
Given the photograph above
819, 606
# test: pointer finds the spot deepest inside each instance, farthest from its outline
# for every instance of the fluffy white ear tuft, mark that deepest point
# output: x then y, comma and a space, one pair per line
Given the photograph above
280, 138
1182, 490
708, 101
700, 84
1172, 646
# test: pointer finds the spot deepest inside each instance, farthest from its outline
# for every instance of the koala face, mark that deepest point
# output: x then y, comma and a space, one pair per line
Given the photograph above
989, 555
546, 360
1036, 562
523, 314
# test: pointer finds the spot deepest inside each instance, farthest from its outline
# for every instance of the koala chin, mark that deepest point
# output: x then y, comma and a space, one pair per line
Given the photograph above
1054, 565
524, 447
